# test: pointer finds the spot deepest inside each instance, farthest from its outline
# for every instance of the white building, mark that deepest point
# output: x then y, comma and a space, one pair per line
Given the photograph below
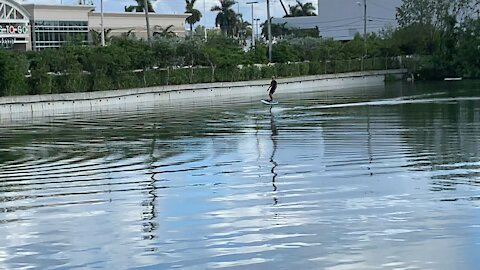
342, 19
36, 27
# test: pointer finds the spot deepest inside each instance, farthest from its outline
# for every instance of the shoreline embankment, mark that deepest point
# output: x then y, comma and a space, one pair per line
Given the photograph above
60, 104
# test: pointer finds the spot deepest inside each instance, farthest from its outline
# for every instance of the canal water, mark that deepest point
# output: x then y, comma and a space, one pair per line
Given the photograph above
367, 178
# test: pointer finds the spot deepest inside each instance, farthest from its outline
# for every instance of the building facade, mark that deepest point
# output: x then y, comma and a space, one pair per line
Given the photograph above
115, 23
36, 26
342, 19
14, 26
53, 25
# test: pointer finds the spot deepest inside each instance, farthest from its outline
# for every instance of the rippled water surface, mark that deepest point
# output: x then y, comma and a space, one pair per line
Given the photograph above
373, 178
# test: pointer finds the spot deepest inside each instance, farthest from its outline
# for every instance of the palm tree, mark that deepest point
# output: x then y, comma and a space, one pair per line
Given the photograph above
96, 36
167, 32
129, 33
241, 27
226, 17
196, 15
139, 7
300, 9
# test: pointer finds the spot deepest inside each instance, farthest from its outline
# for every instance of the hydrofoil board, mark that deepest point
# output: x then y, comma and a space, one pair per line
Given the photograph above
273, 102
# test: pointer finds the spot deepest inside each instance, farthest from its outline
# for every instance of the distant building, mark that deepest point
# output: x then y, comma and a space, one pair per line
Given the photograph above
342, 19
14, 26
37, 27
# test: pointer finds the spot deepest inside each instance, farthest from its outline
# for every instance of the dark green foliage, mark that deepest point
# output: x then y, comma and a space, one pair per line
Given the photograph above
13, 67
226, 18
468, 52
40, 81
223, 52
301, 9
284, 52
196, 14
130, 63
258, 55
280, 30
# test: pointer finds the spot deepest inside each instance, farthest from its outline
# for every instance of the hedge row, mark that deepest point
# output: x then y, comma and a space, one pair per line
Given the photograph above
42, 82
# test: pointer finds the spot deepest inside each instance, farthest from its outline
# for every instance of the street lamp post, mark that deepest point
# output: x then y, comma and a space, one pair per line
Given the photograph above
364, 31
205, 19
365, 26
145, 8
253, 23
269, 26
102, 27
257, 32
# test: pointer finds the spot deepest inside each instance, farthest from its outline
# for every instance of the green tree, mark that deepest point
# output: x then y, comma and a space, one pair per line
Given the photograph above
278, 30
196, 14
165, 51
284, 52
437, 13
166, 32
226, 17
417, 39
13, 68
96, 37
468, 50
301, 9
139, 7
242, 29
200, 31
281, 30
327, 49
40, 81
222, 51
191, 51
258, 55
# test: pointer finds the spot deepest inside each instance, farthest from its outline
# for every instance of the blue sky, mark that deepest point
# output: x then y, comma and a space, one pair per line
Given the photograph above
178, 6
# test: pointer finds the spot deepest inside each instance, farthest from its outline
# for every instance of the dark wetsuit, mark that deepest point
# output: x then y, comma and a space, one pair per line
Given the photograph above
273, 86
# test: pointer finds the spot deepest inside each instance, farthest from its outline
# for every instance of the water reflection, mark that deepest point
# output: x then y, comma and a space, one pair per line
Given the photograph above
355, 179
149, 214
273, 137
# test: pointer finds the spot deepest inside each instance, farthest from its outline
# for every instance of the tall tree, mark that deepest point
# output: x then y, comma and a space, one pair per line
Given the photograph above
139, 7
226, 17
241, 28
301, 9
437, 13
196, 14
440, 16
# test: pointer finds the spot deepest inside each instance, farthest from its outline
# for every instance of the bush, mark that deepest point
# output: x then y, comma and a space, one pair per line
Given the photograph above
131, 63
13, 68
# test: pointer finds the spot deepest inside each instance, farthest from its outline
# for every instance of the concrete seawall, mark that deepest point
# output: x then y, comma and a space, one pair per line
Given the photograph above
49, 105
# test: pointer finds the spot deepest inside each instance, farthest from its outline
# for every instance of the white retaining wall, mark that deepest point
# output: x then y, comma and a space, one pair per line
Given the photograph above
49, 105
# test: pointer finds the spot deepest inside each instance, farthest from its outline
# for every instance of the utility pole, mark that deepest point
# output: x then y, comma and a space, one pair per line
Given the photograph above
102, 27
145, 8
205, 19
269, 26
257, 22
365, 27
253, 23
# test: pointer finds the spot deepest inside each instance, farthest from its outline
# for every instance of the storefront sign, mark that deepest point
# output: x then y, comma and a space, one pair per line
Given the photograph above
13, 29
7, 43
12, 33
